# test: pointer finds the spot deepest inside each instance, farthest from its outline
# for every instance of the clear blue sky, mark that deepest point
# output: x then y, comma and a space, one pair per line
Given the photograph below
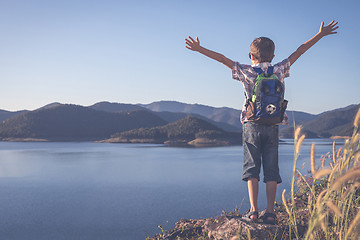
86, 51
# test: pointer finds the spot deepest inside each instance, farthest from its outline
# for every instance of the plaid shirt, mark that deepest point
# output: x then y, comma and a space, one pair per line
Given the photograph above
247, 76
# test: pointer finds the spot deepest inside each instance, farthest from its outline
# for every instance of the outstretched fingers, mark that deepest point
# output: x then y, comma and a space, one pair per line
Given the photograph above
330, 28
191, 39
333, 27
332, 24
191, 43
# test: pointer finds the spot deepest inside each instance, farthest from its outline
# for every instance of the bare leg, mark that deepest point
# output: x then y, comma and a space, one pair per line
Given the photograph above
270, 195
253, 188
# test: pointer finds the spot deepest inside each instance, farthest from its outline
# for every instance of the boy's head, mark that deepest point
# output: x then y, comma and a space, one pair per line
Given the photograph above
262, 49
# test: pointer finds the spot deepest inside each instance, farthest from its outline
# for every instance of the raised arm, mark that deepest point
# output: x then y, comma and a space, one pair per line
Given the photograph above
324, 31
194, 45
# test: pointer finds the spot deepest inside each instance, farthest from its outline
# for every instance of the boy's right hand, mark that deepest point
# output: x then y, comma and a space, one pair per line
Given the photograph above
193, 45
324, 31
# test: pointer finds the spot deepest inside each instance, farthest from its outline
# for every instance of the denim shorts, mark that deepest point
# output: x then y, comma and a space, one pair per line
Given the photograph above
260, 144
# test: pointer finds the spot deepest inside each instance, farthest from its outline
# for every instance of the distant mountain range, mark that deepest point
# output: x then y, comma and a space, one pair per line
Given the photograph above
224, 114
104, 120
338, 122
170, 116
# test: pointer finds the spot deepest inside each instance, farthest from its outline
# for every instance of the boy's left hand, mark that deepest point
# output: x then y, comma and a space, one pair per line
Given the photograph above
329, 29
192, 44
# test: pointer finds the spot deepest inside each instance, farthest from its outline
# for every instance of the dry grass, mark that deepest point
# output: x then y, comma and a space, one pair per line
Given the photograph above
334, 209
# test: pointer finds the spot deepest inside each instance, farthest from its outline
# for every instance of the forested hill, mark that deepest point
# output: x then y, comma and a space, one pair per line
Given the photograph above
75, 123
115, 107
187, 131
4, 115
338, 122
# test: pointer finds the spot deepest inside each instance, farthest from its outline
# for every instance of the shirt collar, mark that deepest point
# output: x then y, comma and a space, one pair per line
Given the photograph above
263, 65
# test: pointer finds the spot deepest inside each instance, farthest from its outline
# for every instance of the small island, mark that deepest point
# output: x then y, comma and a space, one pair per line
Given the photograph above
189, 131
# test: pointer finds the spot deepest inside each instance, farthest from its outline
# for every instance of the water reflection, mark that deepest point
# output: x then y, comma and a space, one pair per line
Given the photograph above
122, 191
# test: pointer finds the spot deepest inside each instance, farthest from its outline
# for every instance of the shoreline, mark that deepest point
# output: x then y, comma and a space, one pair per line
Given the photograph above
198, 142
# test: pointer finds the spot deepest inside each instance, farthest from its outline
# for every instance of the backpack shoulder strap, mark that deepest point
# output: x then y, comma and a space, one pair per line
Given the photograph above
258, 70
269, 71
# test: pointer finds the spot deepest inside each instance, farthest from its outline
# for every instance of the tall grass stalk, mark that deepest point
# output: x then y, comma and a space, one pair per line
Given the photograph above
333, 194
291, 209
336, 213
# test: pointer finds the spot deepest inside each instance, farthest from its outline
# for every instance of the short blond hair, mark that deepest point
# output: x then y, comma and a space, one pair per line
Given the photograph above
262, 49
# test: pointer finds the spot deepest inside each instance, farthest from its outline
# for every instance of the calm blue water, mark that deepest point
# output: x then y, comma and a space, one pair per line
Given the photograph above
121, 191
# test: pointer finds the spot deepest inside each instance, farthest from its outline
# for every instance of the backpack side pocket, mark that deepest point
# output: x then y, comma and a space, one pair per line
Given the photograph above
251, 111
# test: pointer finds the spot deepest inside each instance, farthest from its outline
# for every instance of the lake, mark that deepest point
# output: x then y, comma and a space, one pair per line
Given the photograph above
88, 190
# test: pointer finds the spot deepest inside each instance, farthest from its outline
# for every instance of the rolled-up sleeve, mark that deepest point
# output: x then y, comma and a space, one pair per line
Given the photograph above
283, 68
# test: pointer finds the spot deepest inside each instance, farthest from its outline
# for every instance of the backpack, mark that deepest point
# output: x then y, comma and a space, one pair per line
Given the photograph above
267, 104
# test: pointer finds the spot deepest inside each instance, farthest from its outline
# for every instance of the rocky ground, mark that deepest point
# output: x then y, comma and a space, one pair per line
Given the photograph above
231, 226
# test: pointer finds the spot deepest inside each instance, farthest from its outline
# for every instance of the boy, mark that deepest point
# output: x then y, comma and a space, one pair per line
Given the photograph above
260, 141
